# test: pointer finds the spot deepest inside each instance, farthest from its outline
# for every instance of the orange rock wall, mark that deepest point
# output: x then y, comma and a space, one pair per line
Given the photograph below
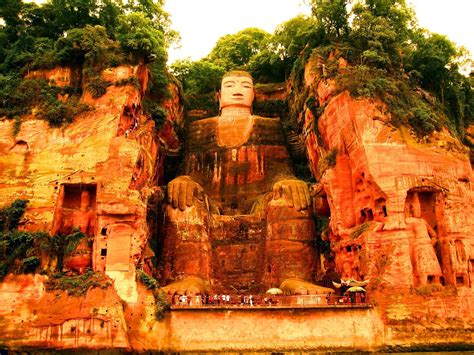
33, 318
112, 148
263, 330
377, 172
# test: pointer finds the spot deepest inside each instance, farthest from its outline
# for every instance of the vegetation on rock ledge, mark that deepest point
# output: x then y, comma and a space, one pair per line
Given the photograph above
77, 285
23, 251
84, 36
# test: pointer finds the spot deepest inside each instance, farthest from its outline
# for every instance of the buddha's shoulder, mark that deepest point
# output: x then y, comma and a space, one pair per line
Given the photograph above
266, 131
267, 120
202, 131
211, 121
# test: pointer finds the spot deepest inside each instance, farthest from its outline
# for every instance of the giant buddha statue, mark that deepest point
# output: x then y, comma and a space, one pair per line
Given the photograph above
237, 218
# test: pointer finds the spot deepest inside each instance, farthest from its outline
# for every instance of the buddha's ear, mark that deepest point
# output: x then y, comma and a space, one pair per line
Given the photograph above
218, 98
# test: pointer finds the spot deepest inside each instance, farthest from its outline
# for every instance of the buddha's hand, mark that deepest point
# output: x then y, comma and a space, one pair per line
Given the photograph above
182, 190
294, 192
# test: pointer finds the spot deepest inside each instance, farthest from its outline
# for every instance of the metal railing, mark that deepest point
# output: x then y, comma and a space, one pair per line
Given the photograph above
237, 301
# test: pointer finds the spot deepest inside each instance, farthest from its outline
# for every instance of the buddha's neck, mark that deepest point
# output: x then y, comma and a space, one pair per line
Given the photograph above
235, 111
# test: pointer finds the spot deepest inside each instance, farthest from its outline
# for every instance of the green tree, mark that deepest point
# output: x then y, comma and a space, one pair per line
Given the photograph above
268, 66
69, 49
140, 39
200, 77
380, 32
153, 9
433, 59
332, 17
235, 50
97, 46
292, 36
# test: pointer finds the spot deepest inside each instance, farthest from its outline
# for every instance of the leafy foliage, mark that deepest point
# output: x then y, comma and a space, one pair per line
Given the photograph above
61, 113
140, 39
200, 77
97, 87
11, 215
85, 35
235, 50
162, 306
20, 251
147, 280
332, 17
77, 285
133, 81
22, 96
157, 113
64, 245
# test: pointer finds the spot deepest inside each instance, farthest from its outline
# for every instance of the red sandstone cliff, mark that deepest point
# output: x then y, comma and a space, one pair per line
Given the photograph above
381, 186
400, 207
114, 153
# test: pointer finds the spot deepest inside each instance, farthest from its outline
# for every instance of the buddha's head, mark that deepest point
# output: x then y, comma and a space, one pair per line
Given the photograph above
236, 89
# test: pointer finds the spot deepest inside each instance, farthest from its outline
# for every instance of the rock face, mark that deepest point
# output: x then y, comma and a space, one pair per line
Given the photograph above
33, 318
96, 174
399, 208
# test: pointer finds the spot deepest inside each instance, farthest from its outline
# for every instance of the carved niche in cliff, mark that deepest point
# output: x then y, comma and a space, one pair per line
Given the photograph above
238, 218
422, 223
76, 208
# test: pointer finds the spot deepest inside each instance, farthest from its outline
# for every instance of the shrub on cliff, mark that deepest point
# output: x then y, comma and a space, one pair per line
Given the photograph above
389, 57
60, 113
25, 96
162, 306
11, 215
97, 87
88, 36
20, 251
77, 285
147, 280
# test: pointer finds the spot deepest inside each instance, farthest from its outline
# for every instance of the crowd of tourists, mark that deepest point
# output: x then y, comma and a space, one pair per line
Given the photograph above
214, 300
241, 300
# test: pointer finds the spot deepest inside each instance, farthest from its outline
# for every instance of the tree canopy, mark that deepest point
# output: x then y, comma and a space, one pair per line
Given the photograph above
88, 35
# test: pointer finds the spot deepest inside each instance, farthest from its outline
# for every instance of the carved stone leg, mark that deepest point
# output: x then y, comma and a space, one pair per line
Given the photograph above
186, 247
289, 251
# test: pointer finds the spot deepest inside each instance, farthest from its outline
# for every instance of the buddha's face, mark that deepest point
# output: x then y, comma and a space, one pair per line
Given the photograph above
236, 91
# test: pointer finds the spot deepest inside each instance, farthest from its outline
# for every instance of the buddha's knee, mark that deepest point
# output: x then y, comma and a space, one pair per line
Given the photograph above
191, 259
287, 259
284, 222
186, 247
289, 246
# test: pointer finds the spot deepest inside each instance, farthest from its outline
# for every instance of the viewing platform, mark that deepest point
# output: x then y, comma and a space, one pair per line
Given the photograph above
261, 302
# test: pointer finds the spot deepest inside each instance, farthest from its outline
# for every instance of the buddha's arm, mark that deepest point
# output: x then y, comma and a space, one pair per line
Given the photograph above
182, 190
286, 187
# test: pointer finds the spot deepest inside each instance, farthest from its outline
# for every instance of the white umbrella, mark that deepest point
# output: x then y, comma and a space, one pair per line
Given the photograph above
274, 291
